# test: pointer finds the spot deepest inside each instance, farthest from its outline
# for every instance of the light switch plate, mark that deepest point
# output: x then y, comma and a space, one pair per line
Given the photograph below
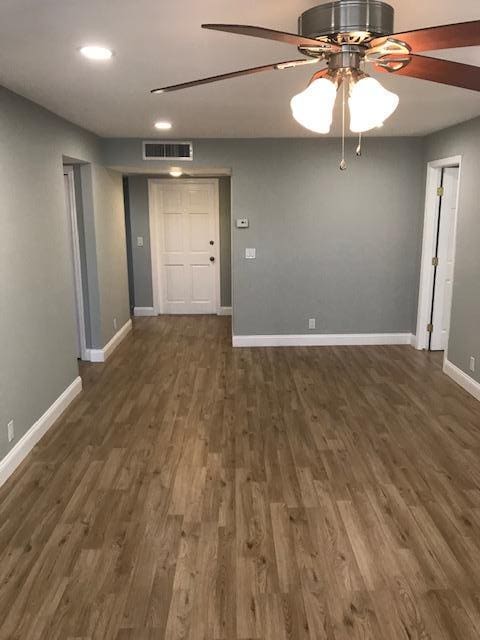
139, 241
472, 364
242, 223
250, 254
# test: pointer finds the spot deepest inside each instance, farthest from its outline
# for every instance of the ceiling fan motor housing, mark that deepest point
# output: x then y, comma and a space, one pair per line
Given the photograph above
346, 22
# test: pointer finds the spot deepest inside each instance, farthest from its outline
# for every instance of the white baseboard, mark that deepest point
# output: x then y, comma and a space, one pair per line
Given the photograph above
224, 311
95, 355
323, 340
100, 355
466, 382
38, 430
139, 312
414, 341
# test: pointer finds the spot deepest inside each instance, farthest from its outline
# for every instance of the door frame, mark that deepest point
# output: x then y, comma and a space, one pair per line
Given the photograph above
432, 203
154, 250
77, 264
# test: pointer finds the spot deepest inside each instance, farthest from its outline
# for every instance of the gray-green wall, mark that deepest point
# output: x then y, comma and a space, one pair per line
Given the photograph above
339, 247
138, 217
37, 327
225, 213
464, 339
138, 220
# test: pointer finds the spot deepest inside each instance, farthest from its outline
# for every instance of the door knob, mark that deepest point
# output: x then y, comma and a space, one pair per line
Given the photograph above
212, 242
212, 259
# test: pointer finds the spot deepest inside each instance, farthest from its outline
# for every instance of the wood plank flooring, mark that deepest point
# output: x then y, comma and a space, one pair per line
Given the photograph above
198, 492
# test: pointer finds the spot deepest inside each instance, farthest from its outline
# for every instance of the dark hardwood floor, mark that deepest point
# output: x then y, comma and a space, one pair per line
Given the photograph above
195, 491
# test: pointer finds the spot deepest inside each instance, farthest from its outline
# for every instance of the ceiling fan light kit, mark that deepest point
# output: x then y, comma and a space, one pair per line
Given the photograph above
346, 35
370, 104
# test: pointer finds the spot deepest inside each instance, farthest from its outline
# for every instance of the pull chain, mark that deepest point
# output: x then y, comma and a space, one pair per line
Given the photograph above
360, 139
343, 164
359, 148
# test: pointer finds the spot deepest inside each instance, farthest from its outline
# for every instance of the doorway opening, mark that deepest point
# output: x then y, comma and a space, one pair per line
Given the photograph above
75, 261
438, 254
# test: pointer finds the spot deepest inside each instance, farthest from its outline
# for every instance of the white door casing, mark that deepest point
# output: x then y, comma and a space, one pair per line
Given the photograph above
184, 221
74, 245
442, 304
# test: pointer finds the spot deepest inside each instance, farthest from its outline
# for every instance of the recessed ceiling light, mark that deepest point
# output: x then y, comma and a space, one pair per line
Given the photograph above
163, 125
96, 53
176, 172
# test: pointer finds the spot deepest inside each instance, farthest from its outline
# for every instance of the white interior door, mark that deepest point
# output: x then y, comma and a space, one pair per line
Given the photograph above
186, 216
442, 301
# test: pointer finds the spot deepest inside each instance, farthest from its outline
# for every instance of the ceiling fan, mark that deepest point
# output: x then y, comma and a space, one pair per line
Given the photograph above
346, 35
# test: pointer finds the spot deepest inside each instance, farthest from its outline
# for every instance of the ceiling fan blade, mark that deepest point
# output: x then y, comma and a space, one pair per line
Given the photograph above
270, 34
289, 64
449, 36
435, 70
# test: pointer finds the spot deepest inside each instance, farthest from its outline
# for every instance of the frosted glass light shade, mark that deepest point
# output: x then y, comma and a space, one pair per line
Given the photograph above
370, 105
313, 108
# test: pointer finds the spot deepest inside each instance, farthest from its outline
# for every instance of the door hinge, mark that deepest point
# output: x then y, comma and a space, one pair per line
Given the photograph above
435, 261
440, 191
430, 328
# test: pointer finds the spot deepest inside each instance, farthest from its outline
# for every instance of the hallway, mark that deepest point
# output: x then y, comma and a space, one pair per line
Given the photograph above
200, 492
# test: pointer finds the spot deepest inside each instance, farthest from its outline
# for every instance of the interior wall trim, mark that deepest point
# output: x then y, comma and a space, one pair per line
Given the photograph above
101, 355
460, 377
224, 311
323, 340
140, 312
23, 447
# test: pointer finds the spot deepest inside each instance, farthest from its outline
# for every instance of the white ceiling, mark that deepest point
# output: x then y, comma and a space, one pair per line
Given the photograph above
160, 42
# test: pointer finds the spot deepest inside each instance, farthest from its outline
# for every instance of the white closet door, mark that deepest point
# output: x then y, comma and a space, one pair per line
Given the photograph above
446, 254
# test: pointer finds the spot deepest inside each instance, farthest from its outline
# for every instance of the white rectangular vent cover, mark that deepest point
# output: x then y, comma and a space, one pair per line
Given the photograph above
157, 150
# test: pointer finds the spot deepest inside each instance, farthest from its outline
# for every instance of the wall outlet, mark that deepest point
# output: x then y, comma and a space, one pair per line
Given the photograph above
139, 241
250, 254
115, 324
312, 323
472, 364
10, 431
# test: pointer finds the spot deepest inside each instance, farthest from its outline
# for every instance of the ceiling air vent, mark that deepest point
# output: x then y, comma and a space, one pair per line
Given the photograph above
156, 150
